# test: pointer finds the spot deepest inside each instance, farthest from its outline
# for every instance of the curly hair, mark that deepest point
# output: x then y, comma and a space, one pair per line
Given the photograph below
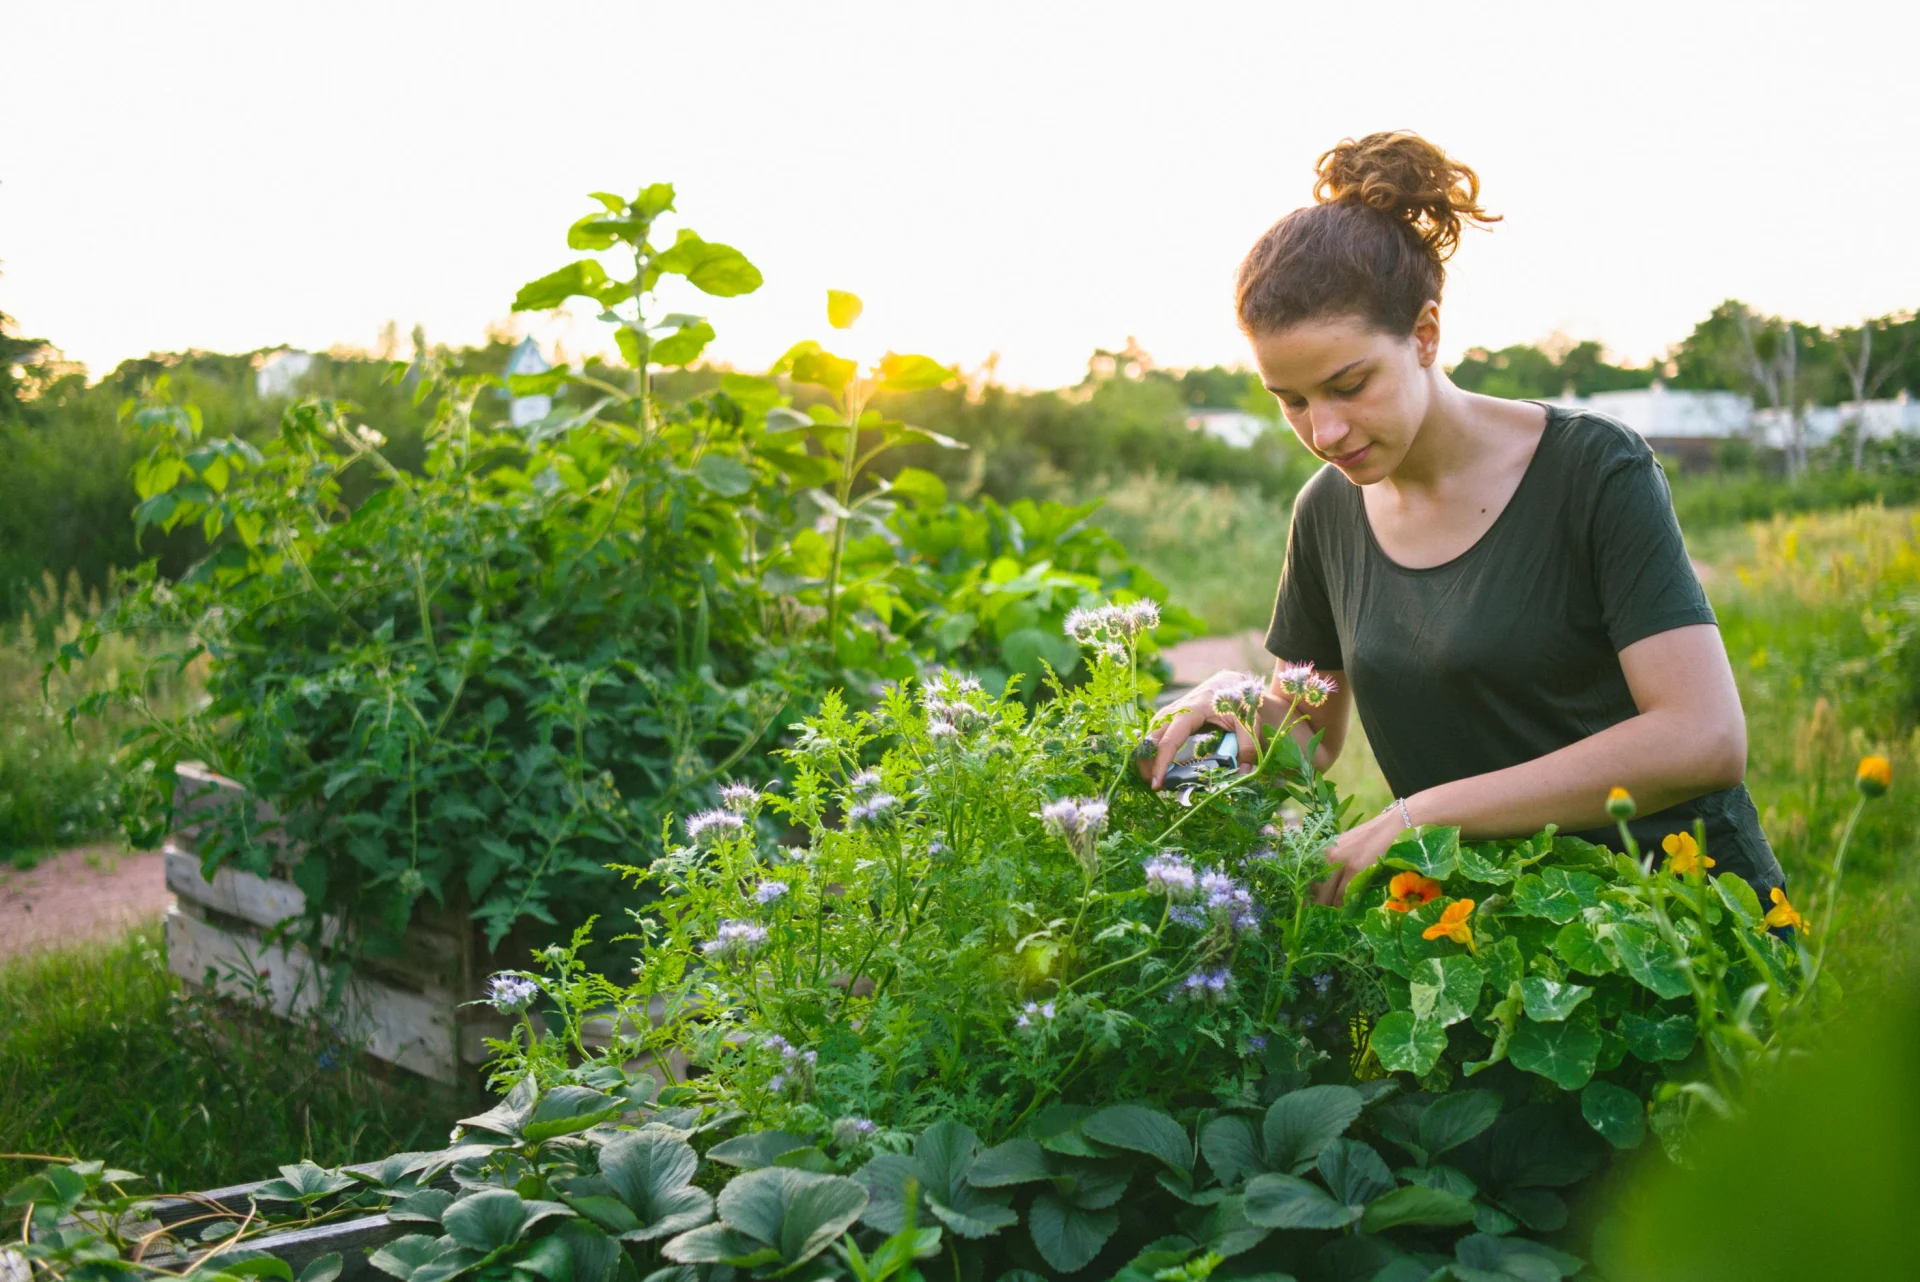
1389, 211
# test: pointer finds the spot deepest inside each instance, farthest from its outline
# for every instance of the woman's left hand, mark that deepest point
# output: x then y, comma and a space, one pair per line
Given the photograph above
1359, 848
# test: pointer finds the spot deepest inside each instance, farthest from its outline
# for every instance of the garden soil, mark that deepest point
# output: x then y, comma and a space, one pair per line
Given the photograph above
79, 896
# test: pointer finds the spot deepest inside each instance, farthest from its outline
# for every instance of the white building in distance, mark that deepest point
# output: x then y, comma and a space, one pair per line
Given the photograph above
526, 359
277, 374
1236, 427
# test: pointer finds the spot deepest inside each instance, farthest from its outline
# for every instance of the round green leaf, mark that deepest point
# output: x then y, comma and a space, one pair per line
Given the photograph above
1405, 1044
1445, 990
843, 309
1563, 1053
1550, 1002
1615, 1112
1068, 1236
1288, 1202
728, 477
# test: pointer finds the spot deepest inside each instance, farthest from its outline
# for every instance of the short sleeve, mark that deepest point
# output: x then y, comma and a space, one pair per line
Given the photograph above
1303, 629
1645, 581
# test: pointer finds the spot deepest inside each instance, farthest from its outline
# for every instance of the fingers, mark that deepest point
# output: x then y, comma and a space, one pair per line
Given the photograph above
1172, 735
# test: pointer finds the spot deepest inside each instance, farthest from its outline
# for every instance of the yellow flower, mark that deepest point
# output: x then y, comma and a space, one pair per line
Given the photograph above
1453, 924
1620, 804
1783, 913
1408, 890
1875, 776
1683, 854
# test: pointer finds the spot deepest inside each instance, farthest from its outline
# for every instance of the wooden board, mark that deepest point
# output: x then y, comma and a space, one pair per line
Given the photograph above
410, 1029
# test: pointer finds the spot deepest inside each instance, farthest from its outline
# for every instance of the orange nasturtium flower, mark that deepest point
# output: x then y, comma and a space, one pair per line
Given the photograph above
1783, 913
1453, 924
1408, 890
1875, 776
1683, 854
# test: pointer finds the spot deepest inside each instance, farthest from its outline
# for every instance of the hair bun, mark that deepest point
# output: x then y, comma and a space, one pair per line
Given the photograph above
1403, 175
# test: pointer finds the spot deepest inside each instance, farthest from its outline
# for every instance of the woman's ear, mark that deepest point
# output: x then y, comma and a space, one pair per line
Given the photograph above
1426, 334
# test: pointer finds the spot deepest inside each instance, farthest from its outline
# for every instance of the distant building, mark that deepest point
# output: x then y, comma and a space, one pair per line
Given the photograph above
1235, 427
277, 374
526, 359
1878, 420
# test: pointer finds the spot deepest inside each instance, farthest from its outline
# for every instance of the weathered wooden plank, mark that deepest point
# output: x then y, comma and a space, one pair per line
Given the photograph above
200, 796
413, 1030
353, 1239
14, 1266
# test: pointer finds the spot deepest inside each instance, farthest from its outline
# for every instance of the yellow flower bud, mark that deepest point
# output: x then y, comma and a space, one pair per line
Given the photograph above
1875, 776
1620, 804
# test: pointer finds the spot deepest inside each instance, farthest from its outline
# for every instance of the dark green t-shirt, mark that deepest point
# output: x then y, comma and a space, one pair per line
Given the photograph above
1511, 650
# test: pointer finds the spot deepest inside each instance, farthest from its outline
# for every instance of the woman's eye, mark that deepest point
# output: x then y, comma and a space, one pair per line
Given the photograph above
1355, 390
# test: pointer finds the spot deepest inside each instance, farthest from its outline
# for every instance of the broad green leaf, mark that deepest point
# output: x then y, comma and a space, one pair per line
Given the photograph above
1416, 1204
510, 1114
1661, 1040
1455, 1118
1445, 990
323, 1268
585, 278
1287, 1202
567, 1110
843, 309
255, 1266
798, 1213
1580, 948
782, 419
304, 1182
823, 369
683, 346
944, 1153
1563, 1053
548, 1258
1478, 863
1025, 650
1139, 1129
720, 1244
494, 1218
912, 373
1354, 1172
652, 1172
1380, 928
761, 1148
1646, 957
712, 268
1431, 852
426, 1206
928, 434
1541, 1210
1556, 901
1616, 1112
653, 200
1406, 1044
1740, 899
1057, 1129
1548, 1001
921, 486
1068, 1236
1300, 1124
404, 1256
1020, 1161
1232, 1149
725, 476
1448, 1178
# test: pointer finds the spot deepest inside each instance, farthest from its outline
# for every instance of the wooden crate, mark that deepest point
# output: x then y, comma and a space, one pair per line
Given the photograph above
225, 936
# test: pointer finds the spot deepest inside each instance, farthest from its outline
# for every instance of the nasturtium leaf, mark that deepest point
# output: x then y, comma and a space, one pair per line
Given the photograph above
1480, 862
1615, 1112
1583, 886
1354, 1172
1535, 896
1139, 1129
1300, 1124
1431, 852
1455, 1118
1018, 1161
1659, 1040
585, 278
1563, 1053
1740, 899
1646, 957
1548, 1001
1415, 1204
1406, 1044
723, 475
1232, 1149
1068, 1236
1277, 1201
1579, 946
1445, 990
1579, 853
1504, 963
843, 309
912, 373
1380, 928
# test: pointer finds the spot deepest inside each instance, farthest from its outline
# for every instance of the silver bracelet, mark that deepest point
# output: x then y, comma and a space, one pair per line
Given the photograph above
1405, 817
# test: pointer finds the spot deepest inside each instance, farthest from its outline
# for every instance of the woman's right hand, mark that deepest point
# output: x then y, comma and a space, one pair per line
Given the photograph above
1180, 720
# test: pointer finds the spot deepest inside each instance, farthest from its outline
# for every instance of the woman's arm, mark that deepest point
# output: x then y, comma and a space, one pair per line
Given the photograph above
1690, 738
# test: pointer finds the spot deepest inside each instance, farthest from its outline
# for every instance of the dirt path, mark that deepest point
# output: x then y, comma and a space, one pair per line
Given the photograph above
94, 892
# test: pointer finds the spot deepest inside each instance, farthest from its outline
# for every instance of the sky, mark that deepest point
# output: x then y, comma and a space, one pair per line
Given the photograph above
1029, 180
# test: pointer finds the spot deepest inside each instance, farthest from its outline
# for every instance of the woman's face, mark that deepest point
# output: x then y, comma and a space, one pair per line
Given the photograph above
1355, 396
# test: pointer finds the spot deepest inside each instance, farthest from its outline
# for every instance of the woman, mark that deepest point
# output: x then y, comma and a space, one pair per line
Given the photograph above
1499, 585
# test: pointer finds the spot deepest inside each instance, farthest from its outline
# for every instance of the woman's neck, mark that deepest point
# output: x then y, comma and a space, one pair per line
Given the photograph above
1461, 433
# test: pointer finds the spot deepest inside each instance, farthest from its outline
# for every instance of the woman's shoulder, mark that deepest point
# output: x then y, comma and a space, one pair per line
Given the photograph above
1327, 496
1594, 443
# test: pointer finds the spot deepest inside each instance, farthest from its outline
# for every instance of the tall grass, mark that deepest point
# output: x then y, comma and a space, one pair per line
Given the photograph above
56, 788
103, 1054
1218, 548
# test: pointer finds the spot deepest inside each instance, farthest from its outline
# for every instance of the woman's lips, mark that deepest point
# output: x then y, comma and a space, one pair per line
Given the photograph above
1349, 460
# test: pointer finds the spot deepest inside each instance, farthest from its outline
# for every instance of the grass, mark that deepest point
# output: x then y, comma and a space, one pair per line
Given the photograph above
102, 1054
